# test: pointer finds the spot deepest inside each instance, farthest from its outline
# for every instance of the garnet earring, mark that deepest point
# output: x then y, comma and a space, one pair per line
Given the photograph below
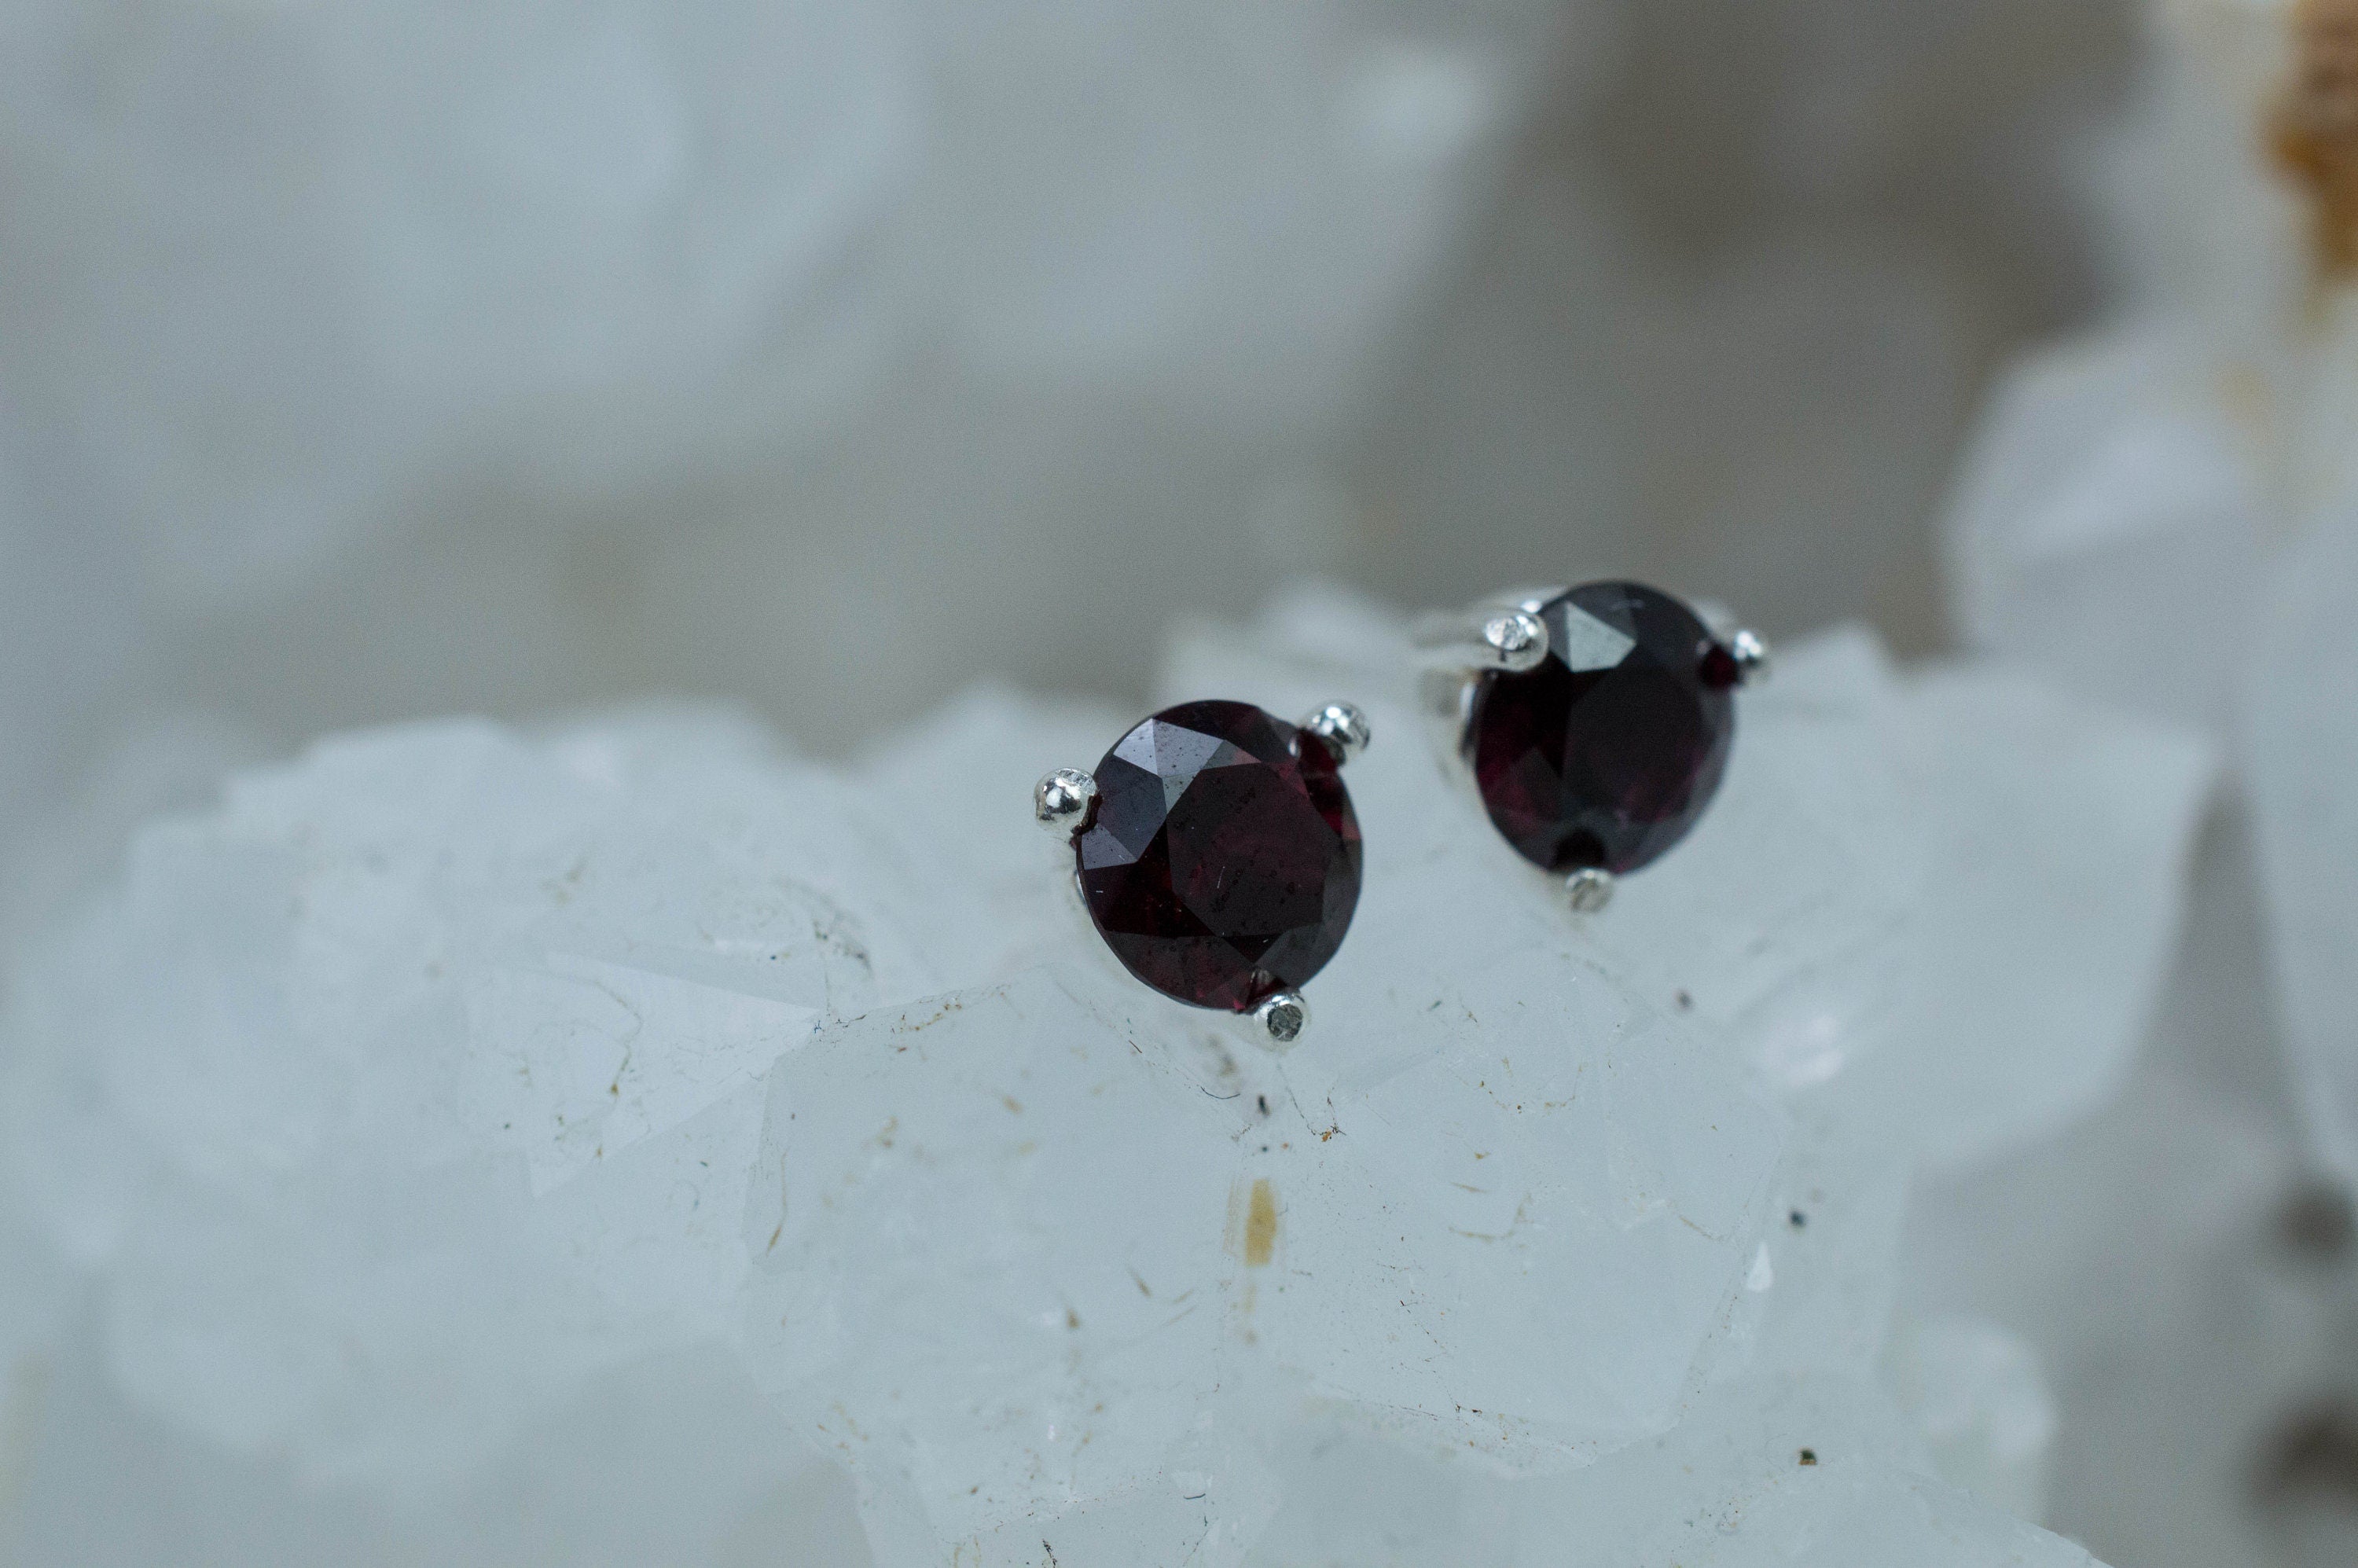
1216, 850
1594, 722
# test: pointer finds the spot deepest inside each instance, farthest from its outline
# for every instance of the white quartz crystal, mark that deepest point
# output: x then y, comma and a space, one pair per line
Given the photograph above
1976, 1395
2302, 754
2160, 517
1005, 1241
2109, 522
442, 1075
451, 1078
2057, 838
2182, 1321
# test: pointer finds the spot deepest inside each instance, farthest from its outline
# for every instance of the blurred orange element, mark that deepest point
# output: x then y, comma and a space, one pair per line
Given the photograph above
2315, 124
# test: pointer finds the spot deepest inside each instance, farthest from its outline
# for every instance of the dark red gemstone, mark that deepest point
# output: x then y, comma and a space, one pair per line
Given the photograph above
1607, 753
1222, 860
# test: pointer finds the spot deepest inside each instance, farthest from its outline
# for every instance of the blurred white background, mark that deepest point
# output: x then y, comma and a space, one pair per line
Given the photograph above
367, 359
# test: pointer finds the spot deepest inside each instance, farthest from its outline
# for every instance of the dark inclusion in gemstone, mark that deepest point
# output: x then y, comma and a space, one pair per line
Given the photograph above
1222, 860
1607, 753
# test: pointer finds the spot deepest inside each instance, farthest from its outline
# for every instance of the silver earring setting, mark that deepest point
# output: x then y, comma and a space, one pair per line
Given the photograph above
1594, 722
1218, 854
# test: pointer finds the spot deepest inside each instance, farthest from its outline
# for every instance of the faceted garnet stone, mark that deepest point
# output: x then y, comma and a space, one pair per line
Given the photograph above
1222, 861
1607, 753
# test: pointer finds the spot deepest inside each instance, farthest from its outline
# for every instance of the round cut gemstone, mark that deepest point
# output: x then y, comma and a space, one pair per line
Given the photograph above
1605, 753
1222, 860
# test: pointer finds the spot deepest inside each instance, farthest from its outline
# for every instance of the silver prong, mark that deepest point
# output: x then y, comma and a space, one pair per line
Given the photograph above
1503, 637
1751, 651
1589, 889
1061, 802
1342, 728
1282, 1017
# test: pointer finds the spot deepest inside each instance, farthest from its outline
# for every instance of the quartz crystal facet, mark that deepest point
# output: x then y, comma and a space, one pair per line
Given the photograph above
1605, 753
1222, 860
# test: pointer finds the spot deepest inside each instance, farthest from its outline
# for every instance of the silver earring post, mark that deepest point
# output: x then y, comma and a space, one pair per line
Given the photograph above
1453, 651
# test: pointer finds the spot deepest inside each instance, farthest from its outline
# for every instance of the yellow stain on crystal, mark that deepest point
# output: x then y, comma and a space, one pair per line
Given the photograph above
1261, 1225
2314, 129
